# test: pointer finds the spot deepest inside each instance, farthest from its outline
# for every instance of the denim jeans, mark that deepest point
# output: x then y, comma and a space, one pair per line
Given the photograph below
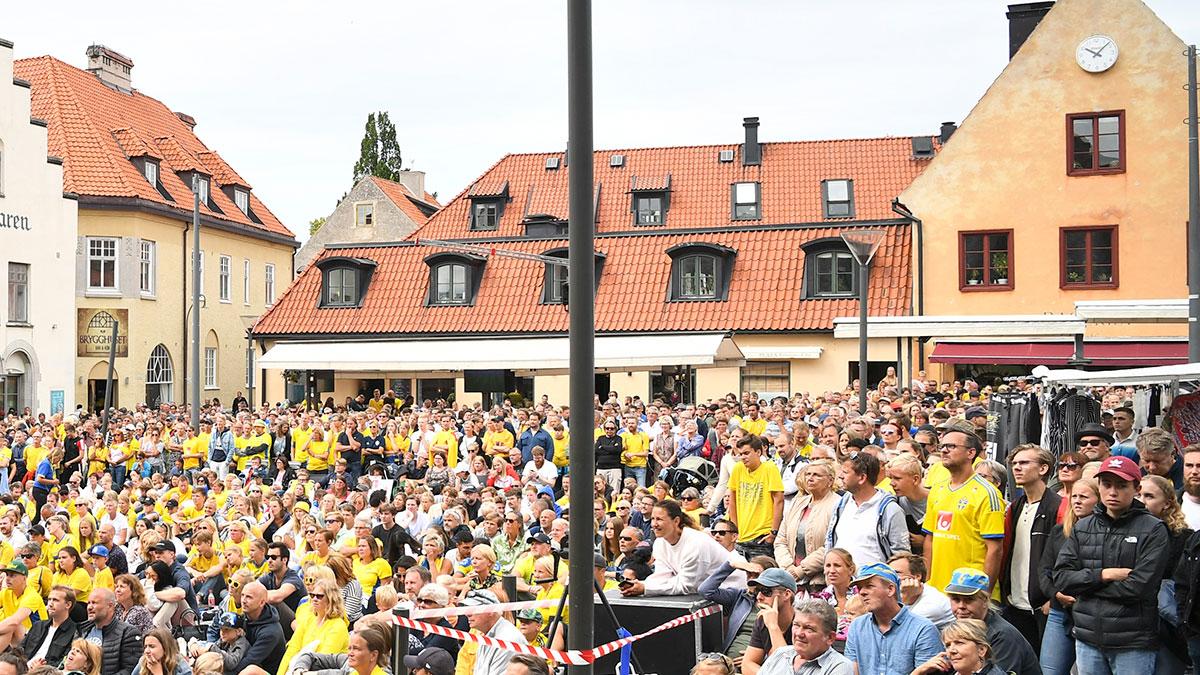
1094, 661
1058, 646
638, 473
118, 476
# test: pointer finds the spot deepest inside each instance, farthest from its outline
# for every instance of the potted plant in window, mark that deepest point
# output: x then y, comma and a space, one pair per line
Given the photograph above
974, 277
1000, 268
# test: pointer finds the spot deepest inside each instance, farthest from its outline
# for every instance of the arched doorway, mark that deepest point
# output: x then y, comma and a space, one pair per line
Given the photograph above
97, 389
160, 377
14, 394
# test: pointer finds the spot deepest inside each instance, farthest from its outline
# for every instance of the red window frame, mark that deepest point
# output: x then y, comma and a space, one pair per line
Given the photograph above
1088, 231
1070, 143
986, 281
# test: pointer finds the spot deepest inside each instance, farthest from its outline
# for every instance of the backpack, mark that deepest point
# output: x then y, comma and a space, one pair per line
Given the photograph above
880, 533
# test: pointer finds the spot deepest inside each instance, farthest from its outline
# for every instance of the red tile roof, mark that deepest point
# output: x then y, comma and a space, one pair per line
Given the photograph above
765, 294
790, 175
406, 201
96, 130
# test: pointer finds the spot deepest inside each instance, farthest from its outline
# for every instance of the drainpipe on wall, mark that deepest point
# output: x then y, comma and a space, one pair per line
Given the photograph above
900, 209
183, 342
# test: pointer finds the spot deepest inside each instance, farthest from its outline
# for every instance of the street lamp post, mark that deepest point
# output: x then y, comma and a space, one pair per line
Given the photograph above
862, 244
195, 363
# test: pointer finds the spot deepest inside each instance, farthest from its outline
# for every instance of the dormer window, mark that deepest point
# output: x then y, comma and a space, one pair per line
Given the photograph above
649, 208
344, 280
651, 199
746, 202
485, 215
838, 198
700, 272
453, 278
555, 279
829, 270
242, 199
150, 171
202, 189
487, 205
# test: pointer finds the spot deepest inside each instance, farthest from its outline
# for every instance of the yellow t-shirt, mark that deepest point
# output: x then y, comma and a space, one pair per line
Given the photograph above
331, 636
635, 441
960, 520
397, 443
103, 579
7, 553
79, 580
447, 438
318, 463
756, 427
193, 446
10, 603
370, 574
243, 462
41, 581
203, 563
502, 437
562, 449
300, 440
375, 404
34, 454
755, 507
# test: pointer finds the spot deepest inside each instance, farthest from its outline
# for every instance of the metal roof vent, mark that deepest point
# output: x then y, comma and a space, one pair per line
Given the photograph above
725, 156
616, 160
922, 147
552, 163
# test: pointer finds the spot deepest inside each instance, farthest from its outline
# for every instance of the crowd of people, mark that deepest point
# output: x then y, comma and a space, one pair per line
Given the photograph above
277, 540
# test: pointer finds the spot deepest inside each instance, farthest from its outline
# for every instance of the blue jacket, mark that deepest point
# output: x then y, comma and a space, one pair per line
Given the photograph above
529, 439
220, 447
736, 603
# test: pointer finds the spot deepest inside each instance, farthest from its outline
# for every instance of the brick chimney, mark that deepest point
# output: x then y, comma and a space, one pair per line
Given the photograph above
414, 181
1022, 19
115, 70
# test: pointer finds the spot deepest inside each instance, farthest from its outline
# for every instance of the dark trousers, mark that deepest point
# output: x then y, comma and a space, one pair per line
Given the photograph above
1030, 623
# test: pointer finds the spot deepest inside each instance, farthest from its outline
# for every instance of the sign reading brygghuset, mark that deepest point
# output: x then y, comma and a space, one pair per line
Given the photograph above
94, 328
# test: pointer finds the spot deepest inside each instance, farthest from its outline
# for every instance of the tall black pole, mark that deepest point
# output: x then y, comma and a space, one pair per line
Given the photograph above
197, 357
863, 278
1193, 235
581, 280
108, 383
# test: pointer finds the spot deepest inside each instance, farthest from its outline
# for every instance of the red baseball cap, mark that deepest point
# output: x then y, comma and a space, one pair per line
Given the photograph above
1122, 467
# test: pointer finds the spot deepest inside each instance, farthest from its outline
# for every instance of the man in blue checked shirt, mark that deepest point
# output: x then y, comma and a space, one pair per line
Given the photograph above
889, 639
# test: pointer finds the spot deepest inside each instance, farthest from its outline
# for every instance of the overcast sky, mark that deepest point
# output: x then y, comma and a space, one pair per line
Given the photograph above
284, 96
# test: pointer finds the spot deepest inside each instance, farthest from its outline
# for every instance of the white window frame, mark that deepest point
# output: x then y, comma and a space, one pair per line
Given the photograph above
364, 214
269, 273
147, 268
246, 282
225, 286
150, 171
242, 199
202, 184
210, 367
18, 293
113, 259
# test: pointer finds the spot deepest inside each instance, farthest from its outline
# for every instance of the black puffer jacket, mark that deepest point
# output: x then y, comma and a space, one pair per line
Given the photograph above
1116, 614
1187, 586
121, 649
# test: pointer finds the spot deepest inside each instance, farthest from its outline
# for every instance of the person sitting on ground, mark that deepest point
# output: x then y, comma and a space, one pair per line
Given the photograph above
526, 664
232, 644
430, 661
160, 655
121, 643
263, 631
50, 640
366, 654
923, 599
84, 658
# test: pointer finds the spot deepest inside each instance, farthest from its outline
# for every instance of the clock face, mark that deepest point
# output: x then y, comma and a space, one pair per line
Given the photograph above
1096, 54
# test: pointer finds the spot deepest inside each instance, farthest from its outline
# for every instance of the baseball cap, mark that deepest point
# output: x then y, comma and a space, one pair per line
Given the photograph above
163, 547
529, 614
17, 567
967, 581
1122, 467
774, 578
975, 412
433, 659
303, 506
470, 489
479, 598
540, 538
99, 549
956, 424
230, 620
880, 570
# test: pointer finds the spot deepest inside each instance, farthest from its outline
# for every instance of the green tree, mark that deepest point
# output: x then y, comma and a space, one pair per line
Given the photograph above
314, 225
379, 152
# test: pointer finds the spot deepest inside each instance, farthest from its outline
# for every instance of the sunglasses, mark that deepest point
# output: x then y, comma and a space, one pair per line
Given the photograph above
275, 557
29, 555
1068, 465
625, 538
317, 596
721, 533
426, 602
1087, 442
310, 580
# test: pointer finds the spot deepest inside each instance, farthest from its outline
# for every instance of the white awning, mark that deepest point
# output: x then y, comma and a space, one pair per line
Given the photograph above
1132, 311
776, 353
1187, 372
1014, 325
618, 352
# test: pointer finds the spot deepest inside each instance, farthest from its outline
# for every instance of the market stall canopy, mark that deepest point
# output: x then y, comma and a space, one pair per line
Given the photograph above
613, 352
999, 325
1131, 376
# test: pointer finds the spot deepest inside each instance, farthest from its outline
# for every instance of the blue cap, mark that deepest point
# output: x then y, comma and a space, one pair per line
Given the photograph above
880, 570
967, 581
99, 549
774, 578
230, 620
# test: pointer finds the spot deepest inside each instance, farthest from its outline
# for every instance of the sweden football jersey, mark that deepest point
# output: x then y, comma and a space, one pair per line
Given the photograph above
959, 521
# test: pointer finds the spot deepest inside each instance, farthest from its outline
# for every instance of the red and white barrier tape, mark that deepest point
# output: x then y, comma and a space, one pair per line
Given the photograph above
573, 657
440, 612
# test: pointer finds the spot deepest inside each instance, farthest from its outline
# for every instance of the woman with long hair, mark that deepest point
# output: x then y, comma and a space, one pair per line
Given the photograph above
84, 657
610, 543
85, 532
800, 545
370, 568
69, 571
348, 587
323, 629
1070, 469
131, 603
1158, 495
160, 655
432, 558
1058, 643
838, 571
158, 578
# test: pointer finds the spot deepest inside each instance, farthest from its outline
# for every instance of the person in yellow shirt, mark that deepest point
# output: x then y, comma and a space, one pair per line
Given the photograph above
205, 565
195, 446
57, 538
323, 629
498, 440
754, 422
370, 569
19, 605
102, 576
256, 444
41, 579
376, 403
562, 443
318, 457
301, 437
756, 497
70, 572
636, 450
446, 441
